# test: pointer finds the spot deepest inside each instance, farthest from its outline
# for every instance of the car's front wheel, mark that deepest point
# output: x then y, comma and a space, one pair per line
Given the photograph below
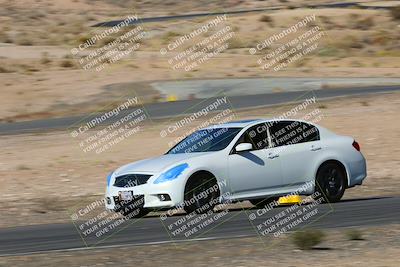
331, 181
201, 194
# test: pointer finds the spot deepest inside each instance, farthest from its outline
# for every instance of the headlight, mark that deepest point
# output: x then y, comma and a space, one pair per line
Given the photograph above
109, 178
171, 174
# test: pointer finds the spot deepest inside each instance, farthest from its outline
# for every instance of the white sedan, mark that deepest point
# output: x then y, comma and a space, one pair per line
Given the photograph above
256, 160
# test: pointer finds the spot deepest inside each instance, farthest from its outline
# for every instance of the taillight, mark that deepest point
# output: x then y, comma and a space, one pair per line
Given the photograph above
356, 145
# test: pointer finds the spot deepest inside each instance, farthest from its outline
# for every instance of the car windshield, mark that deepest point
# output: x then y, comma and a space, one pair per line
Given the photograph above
206, 140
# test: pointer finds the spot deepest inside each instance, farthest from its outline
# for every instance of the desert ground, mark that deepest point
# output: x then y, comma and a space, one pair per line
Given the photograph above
37, 64
377, 246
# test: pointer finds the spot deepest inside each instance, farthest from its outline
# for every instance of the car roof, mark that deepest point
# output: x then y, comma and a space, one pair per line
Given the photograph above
235, 124
249, 122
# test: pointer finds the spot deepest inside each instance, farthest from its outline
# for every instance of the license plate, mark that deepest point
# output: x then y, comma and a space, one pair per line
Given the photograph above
126, 195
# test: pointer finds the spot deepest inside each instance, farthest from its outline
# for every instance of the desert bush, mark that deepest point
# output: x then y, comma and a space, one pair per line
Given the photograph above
349, 41
325, 19
49, 203
107, 40
328, 51
235, 43
353, 17
22, 39
327, 22
67, 63
5, 38
322, 106
356, 64
352, 21
307, 239
44, 60
267, 19
366, 23
354, 234
22, 167
395, 12
380, 38
27, 68
83, 39
169, 36
36, 14
4, 69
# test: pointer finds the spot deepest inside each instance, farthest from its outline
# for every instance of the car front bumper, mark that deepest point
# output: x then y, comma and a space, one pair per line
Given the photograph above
152, 193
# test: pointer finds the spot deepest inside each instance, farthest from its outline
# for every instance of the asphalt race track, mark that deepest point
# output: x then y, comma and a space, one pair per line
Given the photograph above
171, 109
199, 15
150, 230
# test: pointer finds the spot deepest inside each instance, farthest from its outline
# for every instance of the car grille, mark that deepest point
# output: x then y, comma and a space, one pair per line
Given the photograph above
130, 180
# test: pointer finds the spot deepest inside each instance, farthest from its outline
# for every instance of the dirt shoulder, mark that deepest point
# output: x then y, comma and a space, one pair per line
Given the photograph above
380, 246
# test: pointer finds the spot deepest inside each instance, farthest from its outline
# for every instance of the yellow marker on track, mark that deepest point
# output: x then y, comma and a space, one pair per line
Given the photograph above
172, 98
295, 199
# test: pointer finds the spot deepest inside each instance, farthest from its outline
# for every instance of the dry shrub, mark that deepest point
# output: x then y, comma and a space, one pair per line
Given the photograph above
380, 38
268, 19
395, 12
4, 69
349, 41
307, 239
366, 23
23, 39
235, 43
44, 60
354, 234
66, 63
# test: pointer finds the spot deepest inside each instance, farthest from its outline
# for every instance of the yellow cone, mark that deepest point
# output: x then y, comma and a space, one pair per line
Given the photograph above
172, 98
295, 199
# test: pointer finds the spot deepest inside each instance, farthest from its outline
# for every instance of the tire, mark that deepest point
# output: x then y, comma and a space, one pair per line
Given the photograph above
262, 202
331, 181
197, 186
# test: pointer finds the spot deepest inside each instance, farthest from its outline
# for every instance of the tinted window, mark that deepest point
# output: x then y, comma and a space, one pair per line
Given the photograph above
292, 132
206, 140
310, 132
255, 135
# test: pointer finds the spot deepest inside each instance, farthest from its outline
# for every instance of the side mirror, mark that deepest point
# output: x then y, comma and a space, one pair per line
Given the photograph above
243, 147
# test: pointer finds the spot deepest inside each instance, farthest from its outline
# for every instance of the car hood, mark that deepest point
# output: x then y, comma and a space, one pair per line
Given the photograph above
157, 164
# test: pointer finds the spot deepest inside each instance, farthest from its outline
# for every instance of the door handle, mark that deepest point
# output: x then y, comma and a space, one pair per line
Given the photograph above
315, 148
272, 155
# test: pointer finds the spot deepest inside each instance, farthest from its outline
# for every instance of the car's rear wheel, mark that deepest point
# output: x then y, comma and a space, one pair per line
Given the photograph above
201, 193
262, 202
331, 181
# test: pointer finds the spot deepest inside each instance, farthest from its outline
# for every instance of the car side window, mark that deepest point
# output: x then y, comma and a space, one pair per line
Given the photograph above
310, 132
256, 135
292, 132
